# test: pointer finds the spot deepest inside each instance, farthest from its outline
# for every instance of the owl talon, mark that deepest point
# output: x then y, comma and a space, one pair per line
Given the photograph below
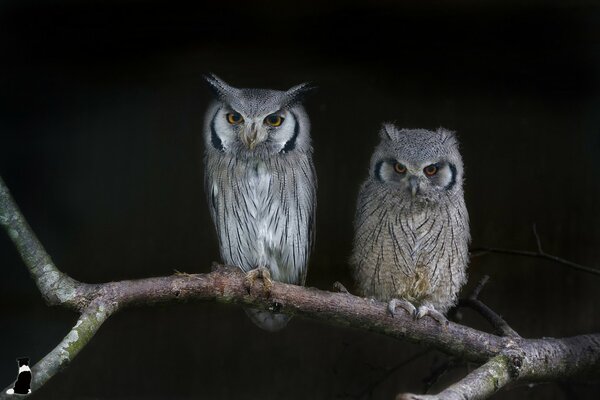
261, 273
432, 312
406, 305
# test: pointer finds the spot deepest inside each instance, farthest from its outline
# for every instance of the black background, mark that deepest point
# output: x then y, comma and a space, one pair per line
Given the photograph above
101, 109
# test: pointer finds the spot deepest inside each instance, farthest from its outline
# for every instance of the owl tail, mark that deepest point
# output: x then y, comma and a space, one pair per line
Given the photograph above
267, 320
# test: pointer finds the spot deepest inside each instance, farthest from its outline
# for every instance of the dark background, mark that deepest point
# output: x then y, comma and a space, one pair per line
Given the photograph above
101, 109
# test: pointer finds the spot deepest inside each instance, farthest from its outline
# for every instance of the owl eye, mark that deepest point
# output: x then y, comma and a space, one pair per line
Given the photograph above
274, 120
430, 170
234, 118
399, 168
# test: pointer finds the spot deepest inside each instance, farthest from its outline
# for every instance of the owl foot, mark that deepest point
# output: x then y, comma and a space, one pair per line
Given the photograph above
432, 312
259, 273
417, 312
406, 305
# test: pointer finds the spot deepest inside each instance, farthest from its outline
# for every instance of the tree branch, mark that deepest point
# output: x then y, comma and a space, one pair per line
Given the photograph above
538, 359
87, 325
438, 372
56, 287
479, 384
539, 253
498, 323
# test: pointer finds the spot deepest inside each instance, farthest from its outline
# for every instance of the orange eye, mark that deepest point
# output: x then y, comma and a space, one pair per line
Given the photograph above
234, 118
399, 168
274, 120
430, 170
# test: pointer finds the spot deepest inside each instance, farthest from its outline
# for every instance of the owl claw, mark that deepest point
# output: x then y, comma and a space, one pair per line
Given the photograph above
261, 273
432, 312
406, 305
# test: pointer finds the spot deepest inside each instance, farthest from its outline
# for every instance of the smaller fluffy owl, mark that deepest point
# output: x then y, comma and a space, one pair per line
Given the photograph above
412, 227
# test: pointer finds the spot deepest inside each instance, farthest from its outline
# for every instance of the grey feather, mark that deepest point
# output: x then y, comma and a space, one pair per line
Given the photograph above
262, 197
412, 247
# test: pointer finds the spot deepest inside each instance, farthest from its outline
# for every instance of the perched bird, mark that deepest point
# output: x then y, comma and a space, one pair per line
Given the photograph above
411, 226
261, 184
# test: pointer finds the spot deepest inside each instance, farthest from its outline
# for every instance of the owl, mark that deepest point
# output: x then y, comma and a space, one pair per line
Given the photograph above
412, 227
261, 183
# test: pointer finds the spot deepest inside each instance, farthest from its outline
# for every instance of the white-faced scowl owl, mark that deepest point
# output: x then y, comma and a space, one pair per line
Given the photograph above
261, 184
412, 227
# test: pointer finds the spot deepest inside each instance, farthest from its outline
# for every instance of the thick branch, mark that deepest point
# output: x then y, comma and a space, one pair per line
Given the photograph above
55, 286
479, 384
227, 284
543, 358
87, 325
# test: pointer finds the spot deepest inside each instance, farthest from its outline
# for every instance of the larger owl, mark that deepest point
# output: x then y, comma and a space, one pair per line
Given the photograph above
412, 227
260, 182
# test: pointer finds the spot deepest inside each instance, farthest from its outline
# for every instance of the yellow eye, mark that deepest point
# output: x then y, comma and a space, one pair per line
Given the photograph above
274, 120
234, 118
399, 168
430, 170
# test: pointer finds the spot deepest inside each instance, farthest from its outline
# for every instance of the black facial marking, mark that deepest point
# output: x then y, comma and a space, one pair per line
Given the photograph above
453, 178
291, 144
214, 138
378, 170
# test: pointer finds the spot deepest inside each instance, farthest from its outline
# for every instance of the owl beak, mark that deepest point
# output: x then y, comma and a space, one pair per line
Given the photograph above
413, 185
250, 137
249, 140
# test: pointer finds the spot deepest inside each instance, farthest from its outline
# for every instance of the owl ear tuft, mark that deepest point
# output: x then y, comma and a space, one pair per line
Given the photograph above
447, 135
219, 87
388, 131
297, 94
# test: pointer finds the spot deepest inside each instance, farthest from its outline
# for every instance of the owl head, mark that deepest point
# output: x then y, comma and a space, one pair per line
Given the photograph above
417, 164
255, 122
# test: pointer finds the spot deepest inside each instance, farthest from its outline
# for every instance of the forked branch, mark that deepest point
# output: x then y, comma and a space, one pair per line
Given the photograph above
538, 359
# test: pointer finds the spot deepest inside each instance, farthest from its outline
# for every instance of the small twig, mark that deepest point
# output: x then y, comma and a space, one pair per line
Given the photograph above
475, 293
540, 253
500, 326
368, 391
538, 241
438, 372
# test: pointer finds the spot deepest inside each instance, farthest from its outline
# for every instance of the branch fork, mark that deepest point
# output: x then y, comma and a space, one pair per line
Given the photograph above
505, 356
